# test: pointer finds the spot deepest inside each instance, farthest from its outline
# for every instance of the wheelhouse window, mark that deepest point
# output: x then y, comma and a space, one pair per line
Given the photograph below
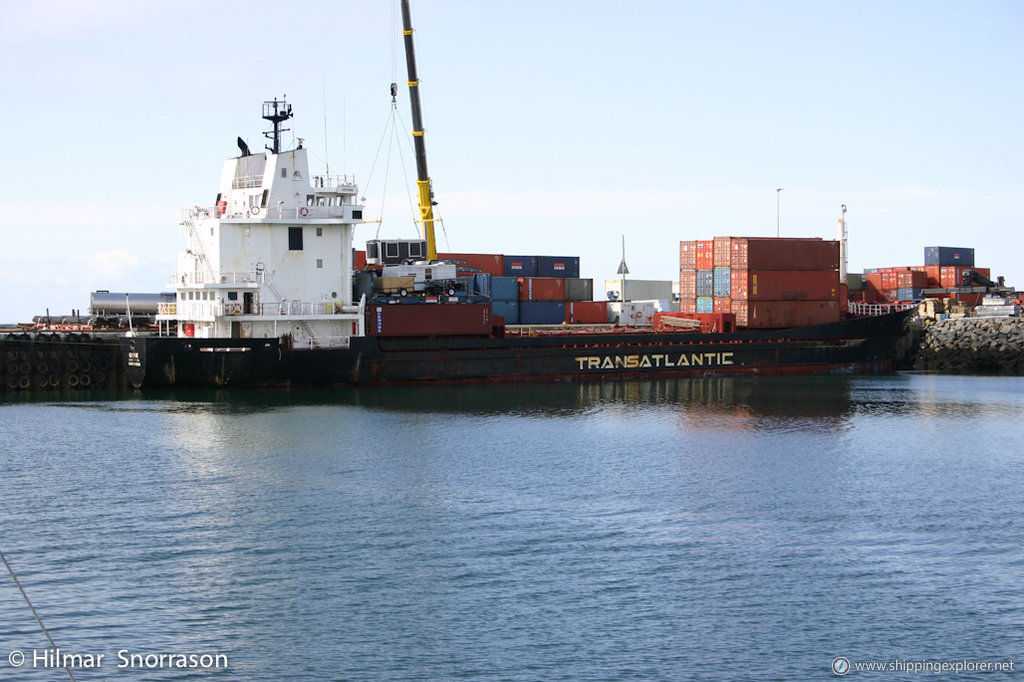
295, 239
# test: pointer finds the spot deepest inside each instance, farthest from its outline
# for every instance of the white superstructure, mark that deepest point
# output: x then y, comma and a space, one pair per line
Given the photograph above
272, 257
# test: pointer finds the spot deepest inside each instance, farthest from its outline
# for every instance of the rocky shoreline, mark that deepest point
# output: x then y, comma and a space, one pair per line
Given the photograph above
984, 345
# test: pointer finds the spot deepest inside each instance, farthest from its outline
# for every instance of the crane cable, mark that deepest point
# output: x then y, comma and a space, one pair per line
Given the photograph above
34, 612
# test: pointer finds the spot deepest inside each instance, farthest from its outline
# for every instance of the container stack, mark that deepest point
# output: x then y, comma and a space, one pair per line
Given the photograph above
943, 268
765, 282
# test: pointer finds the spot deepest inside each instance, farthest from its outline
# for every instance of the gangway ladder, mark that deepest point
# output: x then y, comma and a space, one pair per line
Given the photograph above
303, 324
196, 246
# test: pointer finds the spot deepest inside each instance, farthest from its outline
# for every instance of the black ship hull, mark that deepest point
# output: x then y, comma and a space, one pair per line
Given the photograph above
851, 346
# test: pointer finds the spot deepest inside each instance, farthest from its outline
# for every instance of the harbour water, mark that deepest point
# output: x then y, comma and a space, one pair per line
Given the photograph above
696, 529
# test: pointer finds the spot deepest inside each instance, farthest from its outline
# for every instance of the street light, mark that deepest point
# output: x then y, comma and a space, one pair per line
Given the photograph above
777, 193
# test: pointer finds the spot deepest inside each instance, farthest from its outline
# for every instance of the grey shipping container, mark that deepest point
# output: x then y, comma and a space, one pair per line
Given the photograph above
909, 294
558, 266
706, 283
948, 255
579, 289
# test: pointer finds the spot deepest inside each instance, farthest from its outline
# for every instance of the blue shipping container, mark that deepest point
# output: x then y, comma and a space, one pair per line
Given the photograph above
482, 284
505, 288
723, 282
706, 283
507, 309
541, 312
948, 255
909, 294
520, 266
558, 266
705, 304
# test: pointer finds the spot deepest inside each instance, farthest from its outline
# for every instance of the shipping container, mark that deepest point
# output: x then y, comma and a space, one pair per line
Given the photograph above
948, 255
558, 266
586, 312
706, 283
577, 289
505, 288
785, 285
519, 266
428, 320
541, 312
688, 305
750, 253
481, 284
909, 294
854, 281
723, 252
781, 314
687, 283
723, 304
934, 274
358, 259
637, 289
722, 284
541, 289
917, 279
509, 310
490, 263
705, 254
705, 304
688, 255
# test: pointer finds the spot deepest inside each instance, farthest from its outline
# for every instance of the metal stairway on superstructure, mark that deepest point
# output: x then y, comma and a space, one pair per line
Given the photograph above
306, 326
196, 248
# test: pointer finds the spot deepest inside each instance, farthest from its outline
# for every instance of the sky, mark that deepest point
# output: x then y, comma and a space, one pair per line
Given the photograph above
552, 127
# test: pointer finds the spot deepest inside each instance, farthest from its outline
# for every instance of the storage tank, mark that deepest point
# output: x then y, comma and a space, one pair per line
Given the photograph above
105, 303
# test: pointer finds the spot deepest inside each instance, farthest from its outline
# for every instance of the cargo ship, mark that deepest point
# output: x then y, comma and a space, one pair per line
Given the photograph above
267, 293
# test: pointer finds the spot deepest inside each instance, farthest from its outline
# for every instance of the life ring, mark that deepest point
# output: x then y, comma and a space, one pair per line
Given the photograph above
303, 211
254, 210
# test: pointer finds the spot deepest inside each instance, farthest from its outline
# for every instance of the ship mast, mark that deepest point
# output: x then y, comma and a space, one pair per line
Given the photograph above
426, 194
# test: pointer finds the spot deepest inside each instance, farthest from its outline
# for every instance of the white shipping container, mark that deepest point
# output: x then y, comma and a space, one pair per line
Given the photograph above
637, 313
638, 289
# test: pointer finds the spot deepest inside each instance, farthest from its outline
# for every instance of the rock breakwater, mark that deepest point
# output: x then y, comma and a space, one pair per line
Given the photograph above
971, 344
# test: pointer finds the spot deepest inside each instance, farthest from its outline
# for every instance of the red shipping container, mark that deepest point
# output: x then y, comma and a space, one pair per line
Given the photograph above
423, 319
782, 314
705, 254
687, 283
586, 312
688, 305
950, 275
723, 252
359, 260
541, 289
933, 274
751, 253
492, 264
723, 304
688, 255
917, 279
785, 285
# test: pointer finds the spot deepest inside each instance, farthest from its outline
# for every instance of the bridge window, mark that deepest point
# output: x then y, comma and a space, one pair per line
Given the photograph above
295, 239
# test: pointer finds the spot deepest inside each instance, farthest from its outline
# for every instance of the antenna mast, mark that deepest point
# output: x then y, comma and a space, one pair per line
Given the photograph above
277, 112
426, 194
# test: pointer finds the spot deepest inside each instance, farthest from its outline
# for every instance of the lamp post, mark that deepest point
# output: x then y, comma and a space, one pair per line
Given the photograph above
778, 192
